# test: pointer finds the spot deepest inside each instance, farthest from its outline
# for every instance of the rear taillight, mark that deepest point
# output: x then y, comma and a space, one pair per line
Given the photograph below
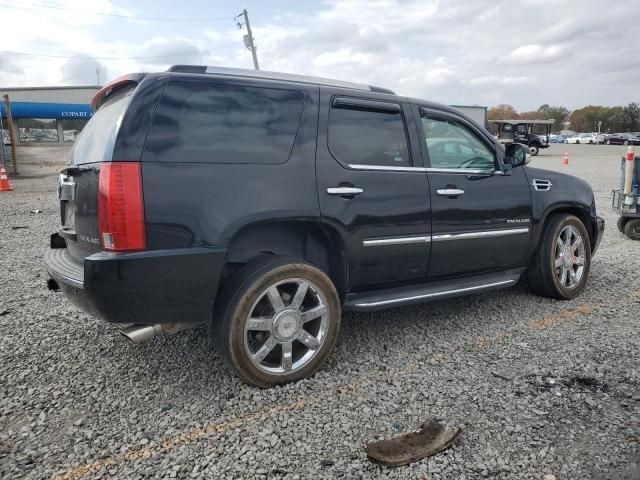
121, 207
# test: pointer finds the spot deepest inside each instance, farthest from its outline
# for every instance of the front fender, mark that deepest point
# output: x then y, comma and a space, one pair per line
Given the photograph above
567, 194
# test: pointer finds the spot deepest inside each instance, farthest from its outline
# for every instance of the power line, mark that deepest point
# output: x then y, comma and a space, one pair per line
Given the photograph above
117, 15
29, 54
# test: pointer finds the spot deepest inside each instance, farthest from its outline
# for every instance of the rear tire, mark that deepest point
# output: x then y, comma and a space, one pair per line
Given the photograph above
632, 229
561, 264
277, 321
622, 221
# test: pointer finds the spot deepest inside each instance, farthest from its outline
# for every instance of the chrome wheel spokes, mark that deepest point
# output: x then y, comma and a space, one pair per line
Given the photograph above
286, 326
569, 257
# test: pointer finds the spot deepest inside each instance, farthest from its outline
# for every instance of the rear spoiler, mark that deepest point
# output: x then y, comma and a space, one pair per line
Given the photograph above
117, 85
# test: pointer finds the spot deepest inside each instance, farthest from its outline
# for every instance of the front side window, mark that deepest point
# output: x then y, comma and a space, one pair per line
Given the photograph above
368, 137
452, 145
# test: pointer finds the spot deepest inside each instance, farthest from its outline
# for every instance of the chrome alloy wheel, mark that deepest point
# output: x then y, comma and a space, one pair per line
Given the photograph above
286, 326
569, 257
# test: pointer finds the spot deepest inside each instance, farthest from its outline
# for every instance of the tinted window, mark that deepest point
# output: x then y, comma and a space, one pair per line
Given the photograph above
95, 142
366, 137
71, 128
452, 144
224, 124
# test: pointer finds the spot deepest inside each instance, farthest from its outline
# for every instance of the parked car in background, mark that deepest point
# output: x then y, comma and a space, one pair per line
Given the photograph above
581, 138
602, 138
622, 139
556, 139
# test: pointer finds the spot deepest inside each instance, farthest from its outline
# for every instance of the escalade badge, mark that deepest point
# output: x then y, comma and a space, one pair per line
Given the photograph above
518, 220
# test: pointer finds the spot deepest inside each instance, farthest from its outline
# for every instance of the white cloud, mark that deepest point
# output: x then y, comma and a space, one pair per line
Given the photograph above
497, 80
531, 54
453, 51
343, 56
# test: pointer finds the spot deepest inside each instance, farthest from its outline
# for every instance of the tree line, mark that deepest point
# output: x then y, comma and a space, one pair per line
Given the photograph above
614, 119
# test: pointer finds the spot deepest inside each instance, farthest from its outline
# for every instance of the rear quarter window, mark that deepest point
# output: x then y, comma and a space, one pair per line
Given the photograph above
220, 123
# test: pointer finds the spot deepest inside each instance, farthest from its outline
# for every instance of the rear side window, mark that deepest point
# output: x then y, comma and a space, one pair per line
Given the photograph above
216, 123
368, 137
95, 142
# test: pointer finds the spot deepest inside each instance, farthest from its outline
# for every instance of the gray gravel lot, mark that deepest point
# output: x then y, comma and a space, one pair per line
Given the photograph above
541, 387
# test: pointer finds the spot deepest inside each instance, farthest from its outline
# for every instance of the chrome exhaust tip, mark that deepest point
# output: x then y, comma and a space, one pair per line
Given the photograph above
140, 333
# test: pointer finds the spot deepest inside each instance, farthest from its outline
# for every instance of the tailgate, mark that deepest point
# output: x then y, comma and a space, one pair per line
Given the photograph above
78, 182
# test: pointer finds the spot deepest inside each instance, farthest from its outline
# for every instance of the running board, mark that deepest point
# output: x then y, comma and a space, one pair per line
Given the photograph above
426, 292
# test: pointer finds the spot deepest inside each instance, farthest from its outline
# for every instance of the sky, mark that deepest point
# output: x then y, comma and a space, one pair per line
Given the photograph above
464, 52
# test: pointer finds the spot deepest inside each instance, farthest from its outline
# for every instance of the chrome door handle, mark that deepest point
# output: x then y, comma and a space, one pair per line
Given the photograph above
449, 192
344, 191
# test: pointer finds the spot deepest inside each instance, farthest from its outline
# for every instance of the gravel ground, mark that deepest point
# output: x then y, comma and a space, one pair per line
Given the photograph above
542, 388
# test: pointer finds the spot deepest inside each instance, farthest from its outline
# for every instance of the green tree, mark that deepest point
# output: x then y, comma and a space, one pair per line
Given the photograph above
557, 113
586, 119
631, 117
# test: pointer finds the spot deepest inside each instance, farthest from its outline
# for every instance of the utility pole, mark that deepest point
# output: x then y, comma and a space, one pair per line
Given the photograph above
248, 38
12, 136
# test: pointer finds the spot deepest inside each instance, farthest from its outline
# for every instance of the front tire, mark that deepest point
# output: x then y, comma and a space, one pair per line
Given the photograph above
561, 265
632, 229
622, 221
534, 150
277, 321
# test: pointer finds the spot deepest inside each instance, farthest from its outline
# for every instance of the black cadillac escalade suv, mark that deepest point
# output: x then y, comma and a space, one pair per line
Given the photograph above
269, 203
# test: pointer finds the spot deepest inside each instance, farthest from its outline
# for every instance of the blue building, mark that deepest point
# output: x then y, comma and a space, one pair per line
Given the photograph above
46, 115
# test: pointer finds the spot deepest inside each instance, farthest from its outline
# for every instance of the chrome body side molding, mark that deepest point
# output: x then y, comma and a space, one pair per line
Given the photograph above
483, 234
372, 242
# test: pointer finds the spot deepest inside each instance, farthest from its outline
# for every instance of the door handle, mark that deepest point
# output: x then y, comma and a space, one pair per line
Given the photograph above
449, 192
344, 191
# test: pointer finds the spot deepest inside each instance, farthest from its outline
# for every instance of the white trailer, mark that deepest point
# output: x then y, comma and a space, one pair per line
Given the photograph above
475, 112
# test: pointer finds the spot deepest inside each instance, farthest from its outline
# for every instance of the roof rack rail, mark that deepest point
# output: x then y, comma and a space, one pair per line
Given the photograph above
288, 77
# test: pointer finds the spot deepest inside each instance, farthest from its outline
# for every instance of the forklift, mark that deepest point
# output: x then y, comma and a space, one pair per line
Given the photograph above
626, 200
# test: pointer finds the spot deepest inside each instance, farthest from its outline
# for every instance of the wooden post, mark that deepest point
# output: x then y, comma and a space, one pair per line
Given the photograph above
12, 136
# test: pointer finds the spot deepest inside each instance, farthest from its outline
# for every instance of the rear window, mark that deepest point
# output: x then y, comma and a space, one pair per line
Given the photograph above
366, 137
96, 140
216, 123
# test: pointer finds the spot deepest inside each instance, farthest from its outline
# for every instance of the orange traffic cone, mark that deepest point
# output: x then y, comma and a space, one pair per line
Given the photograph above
5, 186
566, 158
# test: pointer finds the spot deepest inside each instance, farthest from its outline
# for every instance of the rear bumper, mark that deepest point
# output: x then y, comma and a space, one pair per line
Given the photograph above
157, 286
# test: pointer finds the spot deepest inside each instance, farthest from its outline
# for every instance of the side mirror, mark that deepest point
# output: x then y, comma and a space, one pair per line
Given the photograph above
517, 154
